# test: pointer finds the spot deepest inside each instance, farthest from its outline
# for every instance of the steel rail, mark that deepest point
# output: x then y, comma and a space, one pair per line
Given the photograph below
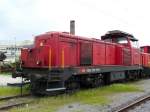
9, 106
128, 106
11, 97
6, 107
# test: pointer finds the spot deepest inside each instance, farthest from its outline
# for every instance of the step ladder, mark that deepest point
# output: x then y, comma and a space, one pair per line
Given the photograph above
56, 89
54, 79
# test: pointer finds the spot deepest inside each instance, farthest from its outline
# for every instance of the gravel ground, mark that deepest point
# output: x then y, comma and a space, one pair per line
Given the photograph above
142, 108
76, 107
4, 79
116, 99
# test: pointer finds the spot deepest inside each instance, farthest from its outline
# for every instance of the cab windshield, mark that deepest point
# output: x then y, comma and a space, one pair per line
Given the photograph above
121, 40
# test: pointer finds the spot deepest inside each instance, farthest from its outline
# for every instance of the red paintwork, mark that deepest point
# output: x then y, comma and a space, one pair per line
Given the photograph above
119, 55
110, 54
145, 59
98, 53
103, 53
145, 56
145, 49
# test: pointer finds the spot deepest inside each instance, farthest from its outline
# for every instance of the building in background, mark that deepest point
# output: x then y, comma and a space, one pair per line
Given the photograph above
13, 49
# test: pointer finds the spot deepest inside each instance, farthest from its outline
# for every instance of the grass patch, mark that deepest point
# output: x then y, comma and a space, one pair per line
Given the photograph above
121, 88
92, 96
10, 91
99, 95
5, 73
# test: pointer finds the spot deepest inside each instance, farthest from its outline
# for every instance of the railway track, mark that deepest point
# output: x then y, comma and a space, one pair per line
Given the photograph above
6, 107
14, 104
132, 104
11, 97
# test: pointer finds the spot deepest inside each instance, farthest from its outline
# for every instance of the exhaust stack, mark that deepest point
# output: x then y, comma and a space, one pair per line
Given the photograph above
72, 27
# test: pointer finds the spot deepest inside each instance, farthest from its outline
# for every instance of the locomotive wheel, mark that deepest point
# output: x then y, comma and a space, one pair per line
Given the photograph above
72, 85
97, 83
34, 88
38, 87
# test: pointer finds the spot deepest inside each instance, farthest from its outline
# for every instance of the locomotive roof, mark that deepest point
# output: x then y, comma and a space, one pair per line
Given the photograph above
145, 46
118, 33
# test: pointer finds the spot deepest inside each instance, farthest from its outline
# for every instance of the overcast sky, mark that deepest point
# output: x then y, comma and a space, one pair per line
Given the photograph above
23, 19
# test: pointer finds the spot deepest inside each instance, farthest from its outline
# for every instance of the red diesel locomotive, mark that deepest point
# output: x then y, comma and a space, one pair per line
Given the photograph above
62, 61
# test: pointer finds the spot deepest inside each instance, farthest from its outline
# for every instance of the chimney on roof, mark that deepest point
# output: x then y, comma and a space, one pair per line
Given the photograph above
72, 27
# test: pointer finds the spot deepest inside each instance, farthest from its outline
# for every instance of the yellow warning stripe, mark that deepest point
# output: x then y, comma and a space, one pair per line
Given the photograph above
49, 58
62, 59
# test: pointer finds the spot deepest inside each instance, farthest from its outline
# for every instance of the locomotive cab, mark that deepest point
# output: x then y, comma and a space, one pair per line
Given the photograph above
121, 38
128, 45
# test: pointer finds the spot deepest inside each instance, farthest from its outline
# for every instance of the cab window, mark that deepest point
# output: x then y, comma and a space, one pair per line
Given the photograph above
121, 40
134, 44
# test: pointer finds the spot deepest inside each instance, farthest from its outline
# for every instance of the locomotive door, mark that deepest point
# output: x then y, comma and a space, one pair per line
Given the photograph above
68, 53
142, 59
85, 54
126, 56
